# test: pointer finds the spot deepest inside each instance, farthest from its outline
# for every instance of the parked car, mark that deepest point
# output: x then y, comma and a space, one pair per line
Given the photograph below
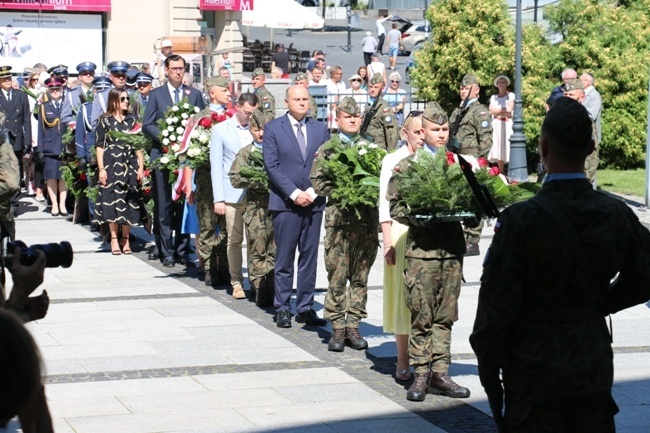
309, 3
411, 62
415, 35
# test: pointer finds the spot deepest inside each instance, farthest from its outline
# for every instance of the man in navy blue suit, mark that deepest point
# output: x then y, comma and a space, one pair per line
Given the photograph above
290, 143
167, 214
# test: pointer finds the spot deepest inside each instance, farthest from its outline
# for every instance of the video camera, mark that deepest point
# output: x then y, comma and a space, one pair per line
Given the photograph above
56, 255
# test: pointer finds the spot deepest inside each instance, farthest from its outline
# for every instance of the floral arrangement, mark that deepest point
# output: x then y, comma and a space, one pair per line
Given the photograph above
146, 187
254, 170
74, 177
68, 139
172, 128
436, 186
134, 137
195, 142
354, 170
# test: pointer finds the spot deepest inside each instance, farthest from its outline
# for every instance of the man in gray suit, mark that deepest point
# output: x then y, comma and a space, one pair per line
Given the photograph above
168, 215
228, 138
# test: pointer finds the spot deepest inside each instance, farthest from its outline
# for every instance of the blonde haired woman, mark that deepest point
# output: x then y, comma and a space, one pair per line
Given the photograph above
397, 317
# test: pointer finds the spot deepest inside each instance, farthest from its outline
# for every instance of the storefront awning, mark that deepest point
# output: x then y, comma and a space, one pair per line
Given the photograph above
57, 5
226, 5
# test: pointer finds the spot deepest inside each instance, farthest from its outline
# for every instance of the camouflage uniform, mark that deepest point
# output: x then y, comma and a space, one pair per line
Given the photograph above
432, 277
267, 101
383, 127
350, 242
258, 221
475, 137
9, 180
544, 326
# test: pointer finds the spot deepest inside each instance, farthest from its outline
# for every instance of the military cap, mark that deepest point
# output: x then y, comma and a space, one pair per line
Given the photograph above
257, 72
58, 70
131, 76
102, 83
301, 76
54, 82
5, 71
259, 118
377, 78
349, 105
574, 84
469, 79
117, 67
217, 81
86, 67
143, 77
434, 113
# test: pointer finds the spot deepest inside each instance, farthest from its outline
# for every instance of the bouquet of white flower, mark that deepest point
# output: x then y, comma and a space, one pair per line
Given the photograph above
172, 128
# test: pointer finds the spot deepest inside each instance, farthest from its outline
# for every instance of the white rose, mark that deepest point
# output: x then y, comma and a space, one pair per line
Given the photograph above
172, 137
185, 115
165, 141
372, 146
184, 122
192, 152
170, 128
362, 151
175, 108
194, 134
164, 160
165, 133
180, 130
168, 120
186, 105
176, 147
196, 109
203, 138
175, 119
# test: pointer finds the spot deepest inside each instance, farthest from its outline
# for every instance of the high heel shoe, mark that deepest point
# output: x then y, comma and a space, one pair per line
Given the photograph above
116, 252
403, 375
126, 247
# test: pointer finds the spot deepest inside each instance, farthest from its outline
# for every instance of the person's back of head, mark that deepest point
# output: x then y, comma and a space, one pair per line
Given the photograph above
20, 367
567, 129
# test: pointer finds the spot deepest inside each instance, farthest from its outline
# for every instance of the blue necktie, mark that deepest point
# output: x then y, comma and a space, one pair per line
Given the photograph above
176, 96
301, 141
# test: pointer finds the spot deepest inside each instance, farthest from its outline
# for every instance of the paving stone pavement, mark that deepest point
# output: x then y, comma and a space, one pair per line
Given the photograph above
131, 346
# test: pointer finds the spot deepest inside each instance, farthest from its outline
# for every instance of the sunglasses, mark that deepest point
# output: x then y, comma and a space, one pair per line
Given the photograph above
33, 79
356, 79
92, 74
413, 113
395, 81
123, 98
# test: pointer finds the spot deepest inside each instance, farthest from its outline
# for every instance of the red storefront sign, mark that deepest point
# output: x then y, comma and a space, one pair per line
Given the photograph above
226, 5
57, 5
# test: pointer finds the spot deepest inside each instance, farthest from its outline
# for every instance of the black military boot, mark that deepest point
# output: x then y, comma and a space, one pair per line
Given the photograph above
262, 299
418, 390
270, 288
442, 384
337, 340
472, 249
357, 342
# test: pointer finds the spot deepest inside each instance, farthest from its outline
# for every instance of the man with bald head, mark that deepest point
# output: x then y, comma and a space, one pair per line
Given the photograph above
558, 92
290, 143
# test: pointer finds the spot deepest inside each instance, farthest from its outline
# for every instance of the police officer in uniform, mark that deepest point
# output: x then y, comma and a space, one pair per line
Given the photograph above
433, 274
474, 137
303, 80
144, 83
350, 241
267, 101
80, 94
117, 71
383, 127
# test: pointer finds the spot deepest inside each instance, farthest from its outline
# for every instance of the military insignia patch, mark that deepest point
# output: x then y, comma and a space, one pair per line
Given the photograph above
267, 105
264, 98
484, 124
388, 119
483, 113
385, 110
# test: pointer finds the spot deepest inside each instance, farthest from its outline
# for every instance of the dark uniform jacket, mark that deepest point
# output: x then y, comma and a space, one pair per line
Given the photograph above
18, 118
531, 320
49, 137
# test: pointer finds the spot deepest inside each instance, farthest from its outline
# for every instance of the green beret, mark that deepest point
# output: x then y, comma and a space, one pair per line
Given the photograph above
434, 113
574, 84
257, 72
259, 118
301, 76
217, 81
349, 105
377, 78
469, 79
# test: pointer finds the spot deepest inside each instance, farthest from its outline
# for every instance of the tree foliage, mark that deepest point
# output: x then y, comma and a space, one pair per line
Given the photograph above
608, 38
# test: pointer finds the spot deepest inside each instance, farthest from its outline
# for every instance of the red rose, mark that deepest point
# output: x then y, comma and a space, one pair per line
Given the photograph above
494, 171
482, 162
165, 149
222, 118
230, 112
146, 173
214, 116
205, 122
450, 158
137, 128
147, 190
82, 176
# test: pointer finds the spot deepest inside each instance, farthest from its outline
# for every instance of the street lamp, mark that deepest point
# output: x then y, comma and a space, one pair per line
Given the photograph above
518, 169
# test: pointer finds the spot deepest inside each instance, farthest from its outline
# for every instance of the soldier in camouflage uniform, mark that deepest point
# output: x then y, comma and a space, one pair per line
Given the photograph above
475, 138
9, 179
383, 127
543, 328
434, 254
257, 217
212, 240
350, 242
267, 101
303, 80
575, 90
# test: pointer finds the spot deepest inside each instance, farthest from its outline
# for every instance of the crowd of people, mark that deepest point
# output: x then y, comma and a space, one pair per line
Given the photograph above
223, 204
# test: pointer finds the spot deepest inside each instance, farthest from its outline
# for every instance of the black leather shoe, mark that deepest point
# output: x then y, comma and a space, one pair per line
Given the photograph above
309, 317
169, 262
283, 319
154, 254
337, 340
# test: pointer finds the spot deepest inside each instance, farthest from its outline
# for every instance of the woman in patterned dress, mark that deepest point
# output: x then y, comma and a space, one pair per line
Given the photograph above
120, 169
